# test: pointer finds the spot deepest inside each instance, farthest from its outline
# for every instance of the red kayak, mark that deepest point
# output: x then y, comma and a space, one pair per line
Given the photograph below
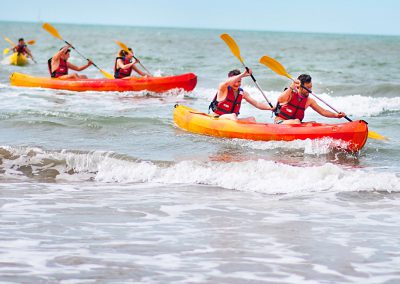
185, 82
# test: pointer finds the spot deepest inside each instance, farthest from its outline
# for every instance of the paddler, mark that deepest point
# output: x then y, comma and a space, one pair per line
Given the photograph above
227, 101
59, 65
124, 65
22, 48
293, 102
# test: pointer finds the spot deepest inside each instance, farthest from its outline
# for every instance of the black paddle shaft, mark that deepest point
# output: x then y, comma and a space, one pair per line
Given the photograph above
255, 81
308, 90
81, 54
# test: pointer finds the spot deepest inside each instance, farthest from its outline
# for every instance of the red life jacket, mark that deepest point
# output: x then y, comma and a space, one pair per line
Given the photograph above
61, 70
230, 104
21, 48
122, 73
294, 108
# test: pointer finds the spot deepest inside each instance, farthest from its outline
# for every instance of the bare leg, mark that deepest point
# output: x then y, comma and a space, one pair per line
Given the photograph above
289, 121
230, 116
248, 119
69, 76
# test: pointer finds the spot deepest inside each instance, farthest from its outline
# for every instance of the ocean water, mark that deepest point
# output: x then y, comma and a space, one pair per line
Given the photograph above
103, 188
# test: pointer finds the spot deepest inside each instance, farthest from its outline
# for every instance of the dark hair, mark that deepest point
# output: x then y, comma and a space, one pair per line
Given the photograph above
122, 53
21, 39
304, 78
233, 73
68, 50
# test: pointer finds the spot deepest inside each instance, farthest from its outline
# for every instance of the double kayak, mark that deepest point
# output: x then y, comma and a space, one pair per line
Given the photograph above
186, 82
18, 59
353, 135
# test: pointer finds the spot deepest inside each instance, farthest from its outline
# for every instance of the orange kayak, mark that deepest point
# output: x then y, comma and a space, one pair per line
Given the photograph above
352, 134
186, 82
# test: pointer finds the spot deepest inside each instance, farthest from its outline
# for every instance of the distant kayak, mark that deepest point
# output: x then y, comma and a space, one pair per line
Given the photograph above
353, 134
18, 59
186, 82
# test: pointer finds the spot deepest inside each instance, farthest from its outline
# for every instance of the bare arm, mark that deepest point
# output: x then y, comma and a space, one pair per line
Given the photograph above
287, 94
137, 70
28, 52
253, 102
324, 112
121, 65
55, 62
223, 87
76, 68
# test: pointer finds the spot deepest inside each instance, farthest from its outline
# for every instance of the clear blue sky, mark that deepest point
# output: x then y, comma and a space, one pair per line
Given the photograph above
328, 16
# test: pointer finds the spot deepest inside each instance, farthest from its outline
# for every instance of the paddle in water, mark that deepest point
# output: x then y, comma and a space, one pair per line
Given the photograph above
125, 47
50, 29
236, 52
280, 70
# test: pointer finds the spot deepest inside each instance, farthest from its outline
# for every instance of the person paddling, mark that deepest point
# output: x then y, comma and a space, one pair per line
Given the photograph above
227, 101
59, 65
124, 65
22, 48
293, 102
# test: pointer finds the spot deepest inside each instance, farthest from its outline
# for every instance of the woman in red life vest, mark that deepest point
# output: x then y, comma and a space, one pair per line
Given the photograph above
59, 65
22, 48
227, 101
124, 65
293, 102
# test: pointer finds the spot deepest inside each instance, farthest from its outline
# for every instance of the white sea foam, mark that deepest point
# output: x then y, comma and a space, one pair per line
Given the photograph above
253, 175
355, 105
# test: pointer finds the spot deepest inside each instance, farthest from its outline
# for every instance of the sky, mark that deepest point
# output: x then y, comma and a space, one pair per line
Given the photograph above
379, 17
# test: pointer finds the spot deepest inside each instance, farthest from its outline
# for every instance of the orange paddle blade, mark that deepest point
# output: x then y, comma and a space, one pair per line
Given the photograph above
52, 30
230, 42
274, 66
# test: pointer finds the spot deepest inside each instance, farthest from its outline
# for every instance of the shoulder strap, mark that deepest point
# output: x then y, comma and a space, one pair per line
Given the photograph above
49, 65
213, 102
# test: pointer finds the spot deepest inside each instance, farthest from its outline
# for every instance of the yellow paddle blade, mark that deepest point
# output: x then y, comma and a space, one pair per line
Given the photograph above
377, 136
123, 46
107, 75
274, 66
51, 30
6, 50
9, 41
232, 45
31, 42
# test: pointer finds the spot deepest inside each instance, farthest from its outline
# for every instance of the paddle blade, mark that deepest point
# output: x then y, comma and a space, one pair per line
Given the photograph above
274, 66
107, 75
51, 30
377, 136
31, 42
9, 41
123, 46
6, 50
230, 42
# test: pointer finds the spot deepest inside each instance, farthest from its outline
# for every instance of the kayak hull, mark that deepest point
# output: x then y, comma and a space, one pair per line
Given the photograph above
353, 134
18, 59
186, 82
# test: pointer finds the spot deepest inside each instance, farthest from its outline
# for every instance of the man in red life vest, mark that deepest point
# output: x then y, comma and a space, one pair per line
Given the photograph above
59, 65
227, 101
124, 65
22, 48
293, 102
